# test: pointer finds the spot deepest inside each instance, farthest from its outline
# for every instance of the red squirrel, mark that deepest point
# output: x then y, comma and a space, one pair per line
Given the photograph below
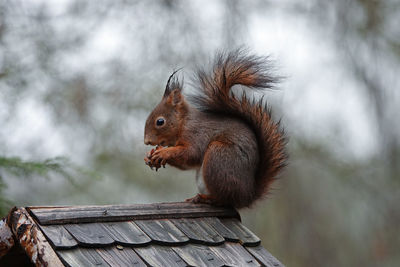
232, 141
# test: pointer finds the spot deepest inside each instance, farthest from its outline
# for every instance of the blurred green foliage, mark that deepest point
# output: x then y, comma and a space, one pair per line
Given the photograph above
17, 168
20, 168
25, 169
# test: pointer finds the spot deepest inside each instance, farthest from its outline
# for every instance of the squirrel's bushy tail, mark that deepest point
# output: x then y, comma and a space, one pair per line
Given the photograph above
239, 68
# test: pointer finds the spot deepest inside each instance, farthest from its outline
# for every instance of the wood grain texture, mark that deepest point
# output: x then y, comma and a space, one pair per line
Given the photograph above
162, 231
89, 234
198, 255
79, 257
233, 254
263, 256
123, 256
6, 238
246, 237
82, 214
32, 240
126, 233
159, 256
59, 236
199, 231
221, 229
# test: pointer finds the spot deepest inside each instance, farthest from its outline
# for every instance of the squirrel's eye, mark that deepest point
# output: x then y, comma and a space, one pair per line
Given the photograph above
160, 122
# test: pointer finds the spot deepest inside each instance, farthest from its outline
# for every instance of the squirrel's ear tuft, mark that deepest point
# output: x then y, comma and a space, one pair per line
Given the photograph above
175, 97
172, 84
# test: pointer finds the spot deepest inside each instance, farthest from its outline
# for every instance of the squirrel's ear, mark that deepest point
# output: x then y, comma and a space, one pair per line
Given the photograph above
175, 97
172, 84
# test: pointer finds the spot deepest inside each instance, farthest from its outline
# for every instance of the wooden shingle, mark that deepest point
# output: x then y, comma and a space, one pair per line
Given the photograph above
59, 236
161, 256
233, 254
199, 231
196, 255
121, 256
162, 231
246, 237
126, 233
81, 257
221, 229
89, 234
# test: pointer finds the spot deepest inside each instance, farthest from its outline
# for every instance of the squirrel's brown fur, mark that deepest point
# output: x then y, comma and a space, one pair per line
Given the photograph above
232, 140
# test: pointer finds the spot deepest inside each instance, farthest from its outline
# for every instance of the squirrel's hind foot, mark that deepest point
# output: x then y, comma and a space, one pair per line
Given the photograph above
201, 198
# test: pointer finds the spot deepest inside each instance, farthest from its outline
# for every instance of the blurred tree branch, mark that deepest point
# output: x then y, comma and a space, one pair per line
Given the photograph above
20, 168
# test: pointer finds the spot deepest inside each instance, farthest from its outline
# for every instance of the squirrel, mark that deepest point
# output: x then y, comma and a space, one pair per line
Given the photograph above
232, 141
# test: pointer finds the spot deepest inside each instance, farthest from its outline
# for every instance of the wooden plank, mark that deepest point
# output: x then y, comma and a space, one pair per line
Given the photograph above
81, 214
120, 256
234, 254
159, 256
126, 233
79, 257
221, 229
198, 255
263, 256
162, 231
246, 237
6, 238
59, 236
199, 231
89, 234
31, 238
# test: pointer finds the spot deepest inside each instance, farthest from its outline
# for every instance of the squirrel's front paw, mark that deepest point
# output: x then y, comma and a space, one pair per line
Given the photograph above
151, 161
147, 161
159, 158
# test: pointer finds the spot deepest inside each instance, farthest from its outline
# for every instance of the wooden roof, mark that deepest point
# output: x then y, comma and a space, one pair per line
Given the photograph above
165, 234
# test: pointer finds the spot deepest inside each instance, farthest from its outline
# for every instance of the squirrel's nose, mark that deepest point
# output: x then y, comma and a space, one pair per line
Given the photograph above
147, 141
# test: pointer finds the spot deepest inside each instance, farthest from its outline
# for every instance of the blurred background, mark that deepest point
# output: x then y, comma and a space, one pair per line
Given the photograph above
78, 78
